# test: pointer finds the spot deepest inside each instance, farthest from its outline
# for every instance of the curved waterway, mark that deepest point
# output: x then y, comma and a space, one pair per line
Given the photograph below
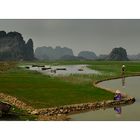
130, 86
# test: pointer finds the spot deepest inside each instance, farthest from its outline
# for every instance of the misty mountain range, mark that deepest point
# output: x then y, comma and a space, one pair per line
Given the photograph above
63, 53
14, 47
60, 53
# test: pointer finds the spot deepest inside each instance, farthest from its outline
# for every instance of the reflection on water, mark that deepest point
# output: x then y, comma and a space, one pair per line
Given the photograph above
123, 81
118, 110
130, 86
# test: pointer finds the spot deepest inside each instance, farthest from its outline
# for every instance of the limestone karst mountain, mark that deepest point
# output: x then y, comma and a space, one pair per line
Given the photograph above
118, 54
13, 47
88, 55
49, 53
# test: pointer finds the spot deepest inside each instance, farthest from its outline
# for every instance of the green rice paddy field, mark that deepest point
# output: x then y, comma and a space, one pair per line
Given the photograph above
41, 91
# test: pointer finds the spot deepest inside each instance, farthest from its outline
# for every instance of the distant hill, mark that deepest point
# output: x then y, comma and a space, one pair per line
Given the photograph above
70, 57
118, 54
134, 57
87, 55
138, 56
13, 47
48, 53
102, 57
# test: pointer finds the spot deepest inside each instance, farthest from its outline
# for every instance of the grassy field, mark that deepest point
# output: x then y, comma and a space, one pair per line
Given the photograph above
45, 91
42, 91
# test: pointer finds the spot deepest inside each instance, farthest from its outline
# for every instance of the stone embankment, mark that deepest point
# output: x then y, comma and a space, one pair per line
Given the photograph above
68, 109
60, 113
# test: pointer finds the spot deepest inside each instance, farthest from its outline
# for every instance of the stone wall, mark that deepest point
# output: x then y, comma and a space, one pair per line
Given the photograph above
60, 113
68, 109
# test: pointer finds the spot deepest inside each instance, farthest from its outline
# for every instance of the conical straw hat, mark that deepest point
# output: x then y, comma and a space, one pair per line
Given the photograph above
118, 91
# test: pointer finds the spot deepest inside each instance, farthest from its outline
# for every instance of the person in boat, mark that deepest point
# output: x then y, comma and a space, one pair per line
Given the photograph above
118, 95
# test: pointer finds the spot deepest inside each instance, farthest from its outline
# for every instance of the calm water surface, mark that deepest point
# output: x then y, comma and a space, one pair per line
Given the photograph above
131, 86
70, 69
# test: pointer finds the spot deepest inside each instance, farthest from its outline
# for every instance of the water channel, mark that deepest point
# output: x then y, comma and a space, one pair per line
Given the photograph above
130, 86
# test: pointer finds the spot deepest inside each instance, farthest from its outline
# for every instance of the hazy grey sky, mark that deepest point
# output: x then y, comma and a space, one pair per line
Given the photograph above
99, 36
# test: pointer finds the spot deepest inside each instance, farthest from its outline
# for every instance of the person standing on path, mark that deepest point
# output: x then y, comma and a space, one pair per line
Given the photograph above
123, 70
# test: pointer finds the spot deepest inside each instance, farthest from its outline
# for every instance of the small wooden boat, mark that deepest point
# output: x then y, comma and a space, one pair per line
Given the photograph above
80, 69
34, 65
61, 69
27, 67
46, 68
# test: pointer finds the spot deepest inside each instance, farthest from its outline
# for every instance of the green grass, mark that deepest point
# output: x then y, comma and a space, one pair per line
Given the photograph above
113, 69
42, 91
